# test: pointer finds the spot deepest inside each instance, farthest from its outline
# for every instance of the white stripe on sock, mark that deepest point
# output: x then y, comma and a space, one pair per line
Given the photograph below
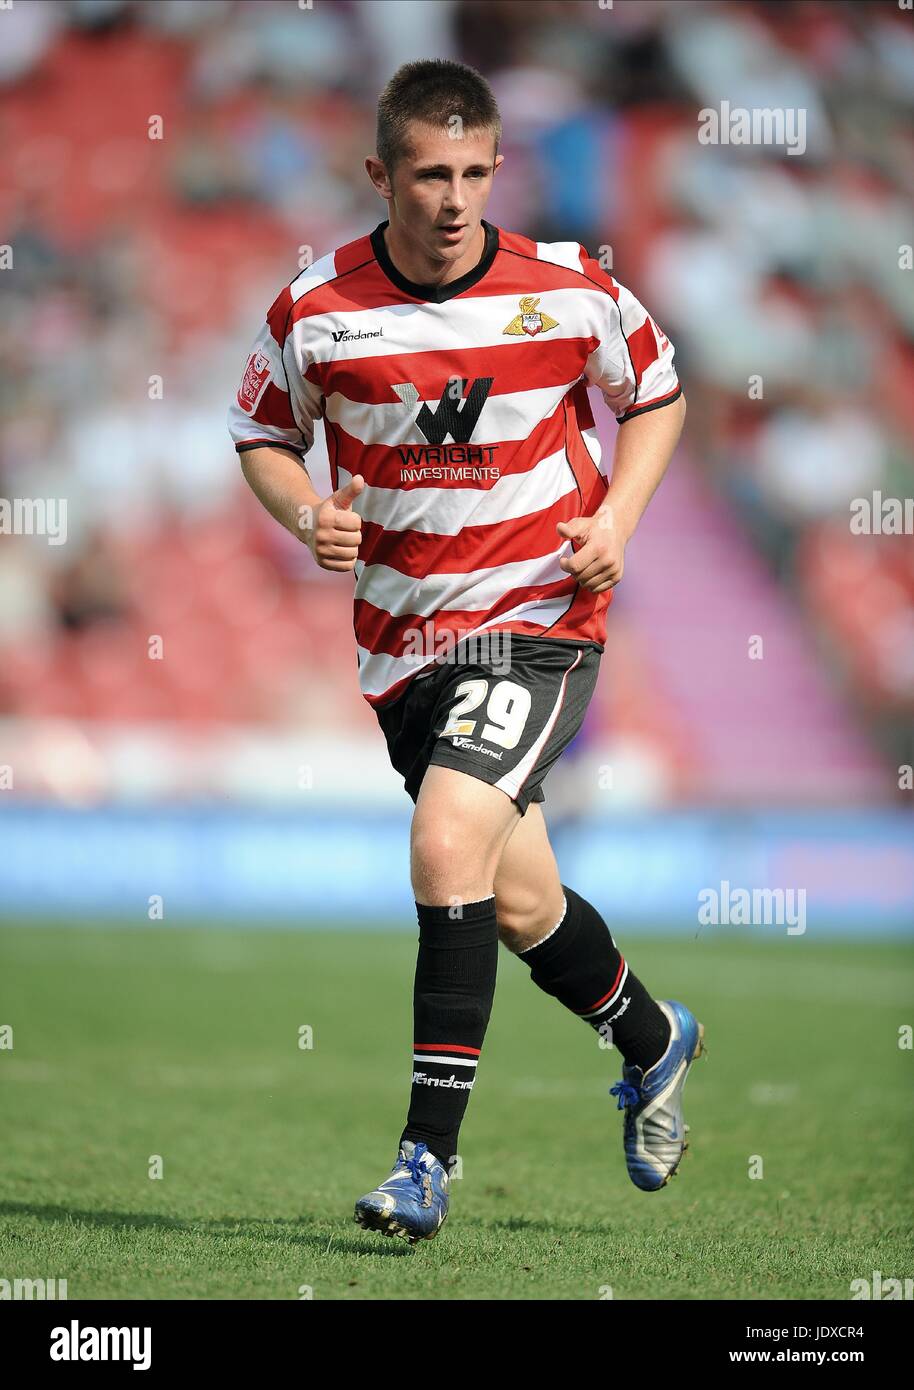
446, 1061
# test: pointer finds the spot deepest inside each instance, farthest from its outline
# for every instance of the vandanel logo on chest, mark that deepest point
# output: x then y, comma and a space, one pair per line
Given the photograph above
530, 320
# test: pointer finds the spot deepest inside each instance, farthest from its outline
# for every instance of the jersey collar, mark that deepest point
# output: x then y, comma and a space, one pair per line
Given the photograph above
434, 294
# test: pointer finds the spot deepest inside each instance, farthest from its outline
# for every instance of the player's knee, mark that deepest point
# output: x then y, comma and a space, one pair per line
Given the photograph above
432, 848
522, 921
445, 862
512, 935
512, 921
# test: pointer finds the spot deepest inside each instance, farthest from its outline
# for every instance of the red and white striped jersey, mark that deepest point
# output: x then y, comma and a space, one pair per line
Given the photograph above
464, 407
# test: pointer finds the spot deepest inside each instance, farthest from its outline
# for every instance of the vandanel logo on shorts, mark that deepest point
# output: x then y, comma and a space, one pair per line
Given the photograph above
530, 320
476, 747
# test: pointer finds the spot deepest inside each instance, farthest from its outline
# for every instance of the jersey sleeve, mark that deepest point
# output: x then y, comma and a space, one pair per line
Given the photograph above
632, 362
275, 404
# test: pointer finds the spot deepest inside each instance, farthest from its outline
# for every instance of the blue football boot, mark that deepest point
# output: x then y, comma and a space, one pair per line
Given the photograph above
413, 1201
654, 1132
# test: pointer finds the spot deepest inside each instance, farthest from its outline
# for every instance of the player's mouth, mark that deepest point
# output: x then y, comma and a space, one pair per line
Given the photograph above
452, 231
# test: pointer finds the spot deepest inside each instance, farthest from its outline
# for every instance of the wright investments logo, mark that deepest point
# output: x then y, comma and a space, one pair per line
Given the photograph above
457, 411
456, 414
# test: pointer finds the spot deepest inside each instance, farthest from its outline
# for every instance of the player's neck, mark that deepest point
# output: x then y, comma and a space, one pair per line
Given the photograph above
415, 265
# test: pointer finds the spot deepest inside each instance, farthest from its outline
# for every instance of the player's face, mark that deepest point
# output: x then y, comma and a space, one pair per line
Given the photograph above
439, 190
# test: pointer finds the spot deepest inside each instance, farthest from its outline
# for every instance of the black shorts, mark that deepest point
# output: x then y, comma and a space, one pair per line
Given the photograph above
503, 714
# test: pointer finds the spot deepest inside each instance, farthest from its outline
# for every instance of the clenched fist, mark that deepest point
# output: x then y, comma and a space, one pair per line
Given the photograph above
333, 530
598, 561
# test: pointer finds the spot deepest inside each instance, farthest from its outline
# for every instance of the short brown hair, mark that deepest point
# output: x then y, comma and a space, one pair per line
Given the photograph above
433, 91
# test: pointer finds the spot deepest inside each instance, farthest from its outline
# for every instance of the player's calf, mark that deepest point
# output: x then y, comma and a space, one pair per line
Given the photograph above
578, 963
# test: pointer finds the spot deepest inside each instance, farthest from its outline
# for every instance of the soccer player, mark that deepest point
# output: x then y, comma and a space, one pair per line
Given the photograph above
450, 360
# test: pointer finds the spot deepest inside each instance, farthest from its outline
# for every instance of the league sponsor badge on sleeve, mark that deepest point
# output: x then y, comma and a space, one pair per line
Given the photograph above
256, 376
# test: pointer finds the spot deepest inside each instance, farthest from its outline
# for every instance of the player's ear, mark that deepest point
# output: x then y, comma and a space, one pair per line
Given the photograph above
377, 172
499, 161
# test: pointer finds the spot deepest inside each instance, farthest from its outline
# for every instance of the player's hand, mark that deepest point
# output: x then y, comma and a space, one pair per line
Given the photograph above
335, 532
598, 554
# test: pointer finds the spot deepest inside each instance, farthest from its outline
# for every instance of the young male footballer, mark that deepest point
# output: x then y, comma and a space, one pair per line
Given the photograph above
450, 361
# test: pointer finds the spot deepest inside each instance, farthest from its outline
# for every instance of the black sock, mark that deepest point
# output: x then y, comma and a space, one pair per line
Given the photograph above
452, 1000
579, 964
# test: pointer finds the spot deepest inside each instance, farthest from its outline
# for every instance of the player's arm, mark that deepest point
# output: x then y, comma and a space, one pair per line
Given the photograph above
328, 526
272, 422
632, 363
644, 446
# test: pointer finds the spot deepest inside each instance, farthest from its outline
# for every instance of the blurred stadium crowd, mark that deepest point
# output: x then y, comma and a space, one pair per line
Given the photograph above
143, 266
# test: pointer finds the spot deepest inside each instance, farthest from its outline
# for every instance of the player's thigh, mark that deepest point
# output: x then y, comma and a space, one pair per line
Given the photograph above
528, 889
459, 830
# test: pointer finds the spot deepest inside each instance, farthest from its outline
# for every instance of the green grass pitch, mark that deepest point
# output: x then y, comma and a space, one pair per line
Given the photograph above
131, 1042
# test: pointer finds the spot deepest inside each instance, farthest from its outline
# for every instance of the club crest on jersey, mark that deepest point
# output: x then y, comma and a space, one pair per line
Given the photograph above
530, 320
256, 376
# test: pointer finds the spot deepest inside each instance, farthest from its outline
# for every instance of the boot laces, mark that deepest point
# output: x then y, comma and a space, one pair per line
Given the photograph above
418, 1171
626, 1092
